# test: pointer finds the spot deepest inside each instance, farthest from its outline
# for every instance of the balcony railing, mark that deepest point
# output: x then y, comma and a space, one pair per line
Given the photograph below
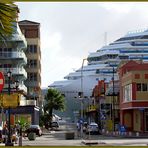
21, 87
13, 55
28, 102
15, 71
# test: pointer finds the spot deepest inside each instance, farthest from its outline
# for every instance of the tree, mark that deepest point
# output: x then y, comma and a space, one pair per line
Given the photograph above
54, 101
8, 16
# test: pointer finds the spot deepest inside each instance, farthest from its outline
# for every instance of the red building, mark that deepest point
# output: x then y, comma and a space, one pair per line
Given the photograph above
133, 77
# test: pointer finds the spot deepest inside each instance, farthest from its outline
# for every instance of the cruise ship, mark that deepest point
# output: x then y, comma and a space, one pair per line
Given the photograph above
102, 64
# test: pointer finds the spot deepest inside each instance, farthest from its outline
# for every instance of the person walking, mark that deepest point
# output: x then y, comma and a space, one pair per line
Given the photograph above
78, 129
5, 133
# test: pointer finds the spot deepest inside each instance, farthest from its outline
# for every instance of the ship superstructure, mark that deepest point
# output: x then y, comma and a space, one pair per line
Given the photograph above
103, 63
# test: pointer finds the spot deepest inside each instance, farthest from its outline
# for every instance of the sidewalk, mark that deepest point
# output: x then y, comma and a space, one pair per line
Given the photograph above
126, 134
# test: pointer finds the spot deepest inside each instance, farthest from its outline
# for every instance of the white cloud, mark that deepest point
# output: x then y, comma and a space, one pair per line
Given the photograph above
52, 42
118, 7
69, 30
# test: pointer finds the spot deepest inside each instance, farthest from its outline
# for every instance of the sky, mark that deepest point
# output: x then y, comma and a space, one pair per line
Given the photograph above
72, 30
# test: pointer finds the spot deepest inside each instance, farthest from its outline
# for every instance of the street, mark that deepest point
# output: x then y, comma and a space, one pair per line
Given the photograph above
57, 138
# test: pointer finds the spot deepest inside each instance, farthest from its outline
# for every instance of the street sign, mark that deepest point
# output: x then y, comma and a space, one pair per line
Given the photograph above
2, 81
12, 100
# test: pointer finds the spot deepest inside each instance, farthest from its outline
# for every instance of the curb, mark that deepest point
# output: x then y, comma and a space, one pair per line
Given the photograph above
89, 142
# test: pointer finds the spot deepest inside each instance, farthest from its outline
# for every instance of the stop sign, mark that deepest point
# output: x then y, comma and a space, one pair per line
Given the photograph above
1, 81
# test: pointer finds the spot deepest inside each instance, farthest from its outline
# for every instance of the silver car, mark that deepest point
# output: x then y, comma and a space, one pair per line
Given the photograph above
92, 128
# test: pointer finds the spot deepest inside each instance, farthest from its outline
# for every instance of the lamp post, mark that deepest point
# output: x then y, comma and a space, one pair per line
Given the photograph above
9, 142
113, 103
82, 96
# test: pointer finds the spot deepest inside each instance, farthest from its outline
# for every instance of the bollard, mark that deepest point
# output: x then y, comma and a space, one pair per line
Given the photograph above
20, 140
130, 133
117, 133
137, 134
103, 131
20, 137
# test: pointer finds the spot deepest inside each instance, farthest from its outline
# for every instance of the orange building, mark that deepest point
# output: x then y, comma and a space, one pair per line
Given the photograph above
133, 77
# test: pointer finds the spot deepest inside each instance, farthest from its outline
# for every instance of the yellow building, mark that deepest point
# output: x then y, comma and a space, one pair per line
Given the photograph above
31, 31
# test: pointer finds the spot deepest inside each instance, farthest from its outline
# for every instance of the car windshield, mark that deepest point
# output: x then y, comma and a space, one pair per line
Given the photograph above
93, 124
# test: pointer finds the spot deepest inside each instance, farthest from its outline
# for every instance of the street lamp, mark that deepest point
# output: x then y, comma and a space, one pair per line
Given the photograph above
9, 143
113, 103
82, 96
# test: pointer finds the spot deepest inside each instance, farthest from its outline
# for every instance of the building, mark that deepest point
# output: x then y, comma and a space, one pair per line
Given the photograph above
107, 104
13, 58
133, 77
31, 31
102, 63
132, 46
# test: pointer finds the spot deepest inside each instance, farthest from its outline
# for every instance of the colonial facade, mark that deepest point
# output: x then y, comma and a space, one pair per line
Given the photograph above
133, 78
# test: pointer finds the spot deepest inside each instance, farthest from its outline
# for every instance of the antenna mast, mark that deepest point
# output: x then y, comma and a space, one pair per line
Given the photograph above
105, 38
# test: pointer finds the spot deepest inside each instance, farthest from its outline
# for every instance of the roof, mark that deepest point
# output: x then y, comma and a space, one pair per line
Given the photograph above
28, 22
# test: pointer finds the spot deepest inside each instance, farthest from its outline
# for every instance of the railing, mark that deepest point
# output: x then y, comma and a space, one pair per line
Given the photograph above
28, 102
23, 87
32, 83
13, 55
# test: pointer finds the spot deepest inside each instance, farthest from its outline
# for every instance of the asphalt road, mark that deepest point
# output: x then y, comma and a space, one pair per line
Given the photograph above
57, 138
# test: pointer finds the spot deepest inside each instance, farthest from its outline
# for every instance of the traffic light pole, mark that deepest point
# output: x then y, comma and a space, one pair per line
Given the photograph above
9, 143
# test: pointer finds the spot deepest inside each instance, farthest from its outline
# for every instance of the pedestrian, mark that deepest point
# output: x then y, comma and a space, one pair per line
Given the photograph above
4, 133
78, 129
15, 134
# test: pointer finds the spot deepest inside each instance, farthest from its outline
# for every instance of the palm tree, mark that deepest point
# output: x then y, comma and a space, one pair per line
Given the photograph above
8, 16
54, 101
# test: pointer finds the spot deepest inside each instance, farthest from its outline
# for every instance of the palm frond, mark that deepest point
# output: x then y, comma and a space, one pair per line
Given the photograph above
8, 15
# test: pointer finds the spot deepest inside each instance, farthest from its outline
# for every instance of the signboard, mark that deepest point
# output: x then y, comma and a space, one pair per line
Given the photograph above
2, 81
11, 101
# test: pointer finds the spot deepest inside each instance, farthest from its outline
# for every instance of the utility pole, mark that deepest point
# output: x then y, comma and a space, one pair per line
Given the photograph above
82, 97
9, 142
113, 103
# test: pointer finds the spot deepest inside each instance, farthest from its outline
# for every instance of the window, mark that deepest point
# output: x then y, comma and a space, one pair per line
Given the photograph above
31, 33
32, 63
138, 86
137, 76
144, 87
32, 48
32, 76
128, 92
146, 76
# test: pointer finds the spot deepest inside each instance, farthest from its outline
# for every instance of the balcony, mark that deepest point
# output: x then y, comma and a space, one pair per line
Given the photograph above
32, 83
28, 102
23, 87
15, 71
13, 55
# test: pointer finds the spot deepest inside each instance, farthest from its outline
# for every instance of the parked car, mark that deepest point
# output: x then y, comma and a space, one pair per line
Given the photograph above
92, 128
34, 128
55, 124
